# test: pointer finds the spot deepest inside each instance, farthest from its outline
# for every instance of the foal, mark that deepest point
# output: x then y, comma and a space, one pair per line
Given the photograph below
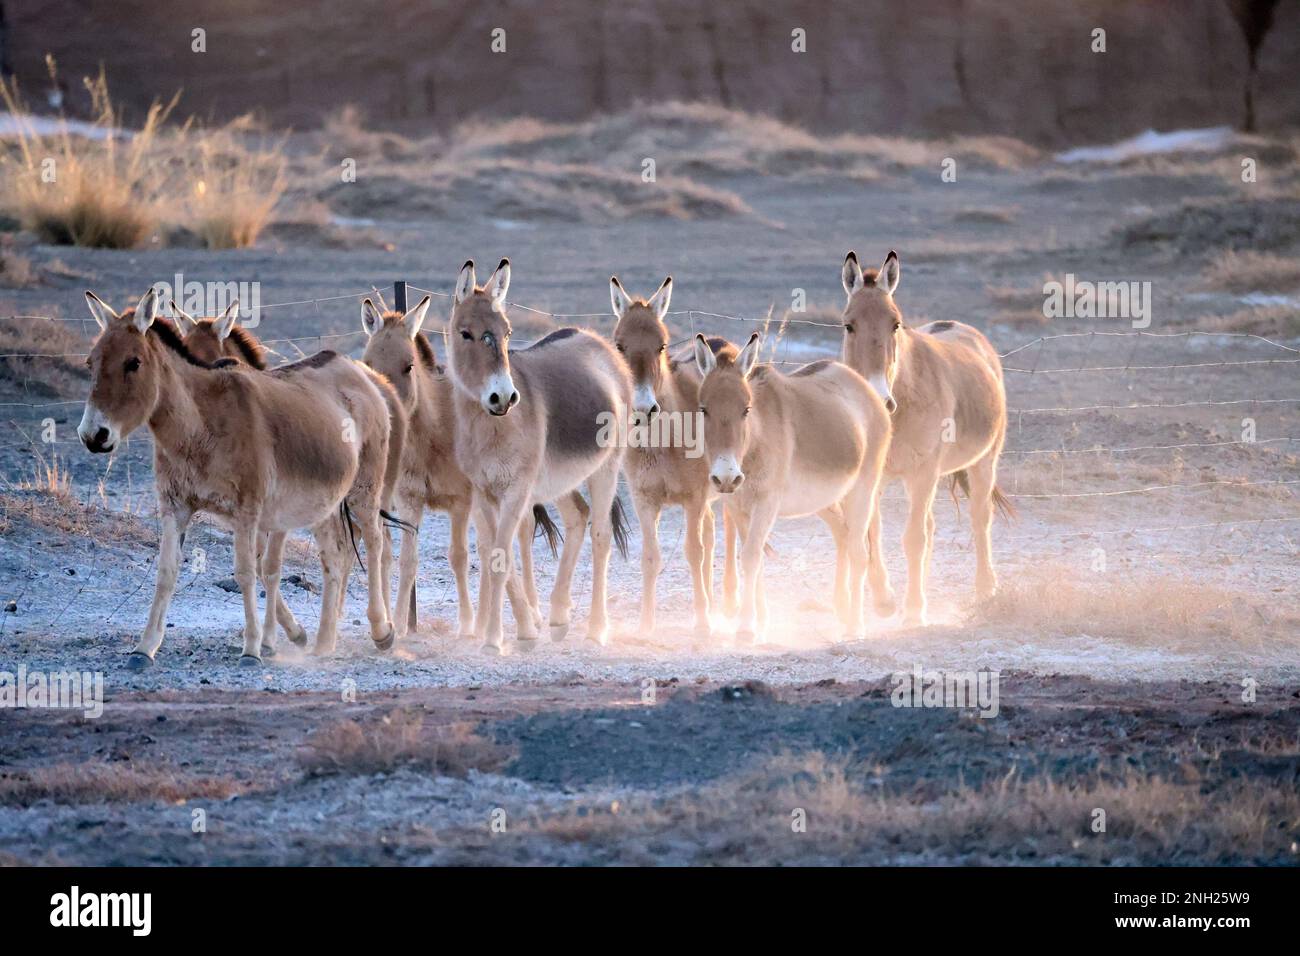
300, 446
788, 445
942, 384
528, 427
674, 474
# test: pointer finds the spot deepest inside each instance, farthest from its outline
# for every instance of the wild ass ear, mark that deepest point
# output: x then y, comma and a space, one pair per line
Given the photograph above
887, 278
465, 282
371, 320
101, 311
184, 317
618, 297
498, 282
415, 318
146, 310
748, 356
705, 360
851, 275
659, 301
225, 322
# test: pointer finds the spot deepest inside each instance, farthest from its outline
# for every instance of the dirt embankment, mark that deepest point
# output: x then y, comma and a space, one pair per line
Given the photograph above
940, 66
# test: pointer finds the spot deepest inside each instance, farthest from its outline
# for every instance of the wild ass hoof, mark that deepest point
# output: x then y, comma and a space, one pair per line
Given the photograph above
559, 632
493, 650
385, 643
526, 645
884, 605
138, 661
914, 619
598, 635
268, 650
300, 639
248, 660
745, 636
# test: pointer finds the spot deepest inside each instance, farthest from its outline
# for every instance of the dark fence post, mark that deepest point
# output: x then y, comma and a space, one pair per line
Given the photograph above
399, 305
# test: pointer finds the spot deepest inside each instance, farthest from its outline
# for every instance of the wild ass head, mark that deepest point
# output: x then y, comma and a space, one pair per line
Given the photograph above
725, 400
211, 340
642, 339
873, 324
125, 372
394, 346
478, 339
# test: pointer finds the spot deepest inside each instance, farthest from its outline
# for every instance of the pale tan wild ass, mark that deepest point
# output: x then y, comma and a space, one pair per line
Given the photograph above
264, 452
811, 442
527, 430
672, 473
942, 384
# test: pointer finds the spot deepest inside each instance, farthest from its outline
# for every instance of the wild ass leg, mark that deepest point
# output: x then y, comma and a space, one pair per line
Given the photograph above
246, 538
603, 485
510, 512
834, 518
755, 527
335, 561
574, 511
916, 542
174, 523
730, 580
459, 557
647, 516
381, 626
857, 509
710, 546
982, 476
272, 562
527, 532
407, 566
485, 523
882, 594
699, 556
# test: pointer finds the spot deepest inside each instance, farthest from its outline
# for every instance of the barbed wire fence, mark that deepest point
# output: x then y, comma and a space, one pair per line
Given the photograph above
1014, 458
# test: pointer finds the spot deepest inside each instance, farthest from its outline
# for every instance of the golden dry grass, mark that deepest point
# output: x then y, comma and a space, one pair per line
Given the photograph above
121, 188
1144, 609
1270, 321
853, 814
107, 783
1248, 271
400, 738
43, 358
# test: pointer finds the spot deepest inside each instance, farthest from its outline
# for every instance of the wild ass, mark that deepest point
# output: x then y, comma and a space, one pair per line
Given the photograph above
302, 446
942, 384
528, 429
429, 475
665, 403
811, 442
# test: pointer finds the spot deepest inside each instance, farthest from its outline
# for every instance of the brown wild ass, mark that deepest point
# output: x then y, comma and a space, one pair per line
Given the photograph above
429, 475
811, 442
673, 472
942, 384
528, 426
301, 446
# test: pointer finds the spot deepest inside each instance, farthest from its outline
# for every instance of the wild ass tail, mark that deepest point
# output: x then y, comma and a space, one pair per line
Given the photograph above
1005, 509
618, 517
546, 527
345, 515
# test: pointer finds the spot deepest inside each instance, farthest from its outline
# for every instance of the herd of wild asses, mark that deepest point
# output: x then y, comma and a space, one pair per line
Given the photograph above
358, 449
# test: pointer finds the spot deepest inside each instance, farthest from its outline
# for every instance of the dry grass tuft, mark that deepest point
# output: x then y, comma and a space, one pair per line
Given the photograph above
108, 187
107, 783
398, 739
52, 359
1270, 321
1249, 271
1146, 610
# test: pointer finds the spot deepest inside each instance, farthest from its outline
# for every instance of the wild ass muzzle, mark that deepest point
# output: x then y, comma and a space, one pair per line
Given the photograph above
942, 383
667, 466
528, 425
811, 442
264, 452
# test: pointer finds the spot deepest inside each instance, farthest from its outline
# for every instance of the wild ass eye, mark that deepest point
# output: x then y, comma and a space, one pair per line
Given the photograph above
848, 327
407, 370
745, 413
621, 347
897, 325
466, 335
703, 410
663, 348
131, 365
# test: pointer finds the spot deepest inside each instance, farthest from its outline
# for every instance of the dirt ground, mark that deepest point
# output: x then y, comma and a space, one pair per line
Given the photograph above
1149, 584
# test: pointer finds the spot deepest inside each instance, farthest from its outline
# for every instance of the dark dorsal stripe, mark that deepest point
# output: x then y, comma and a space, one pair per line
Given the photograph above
556, 336
166, 333
323, 357
943, 325
812, 368
249, 348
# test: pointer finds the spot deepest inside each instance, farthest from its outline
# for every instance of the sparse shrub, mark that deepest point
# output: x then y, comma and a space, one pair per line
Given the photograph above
399, 738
